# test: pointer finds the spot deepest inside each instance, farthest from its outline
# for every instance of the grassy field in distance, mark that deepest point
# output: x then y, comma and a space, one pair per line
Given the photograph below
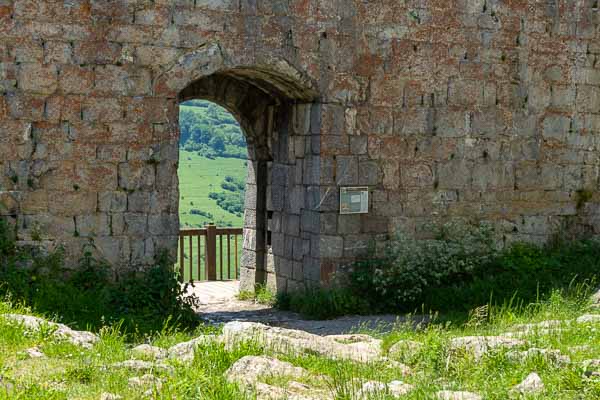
198, 176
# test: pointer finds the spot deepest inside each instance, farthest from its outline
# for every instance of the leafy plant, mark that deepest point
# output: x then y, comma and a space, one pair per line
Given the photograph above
409, 266
461, 269
93, 295
261, 295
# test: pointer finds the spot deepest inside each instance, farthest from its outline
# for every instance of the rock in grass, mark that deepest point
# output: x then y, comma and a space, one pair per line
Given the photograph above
400, 368
592, 368
589, 319
452, 395
184, 352
552, 356
354, 338
580, 348
399, 388
110, 396
289, 340
80, 338
249, 369
293, 391
5, 386
396, 389
147, 382
35, 352
478, 346
148, 351
371, 388
543, 325
405, 349
531, 384
146, 366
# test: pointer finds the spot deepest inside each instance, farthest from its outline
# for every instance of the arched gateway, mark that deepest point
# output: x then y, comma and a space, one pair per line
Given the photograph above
362, 117
273, 104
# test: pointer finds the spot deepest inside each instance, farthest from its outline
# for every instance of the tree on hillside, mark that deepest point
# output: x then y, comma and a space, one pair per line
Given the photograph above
210, 130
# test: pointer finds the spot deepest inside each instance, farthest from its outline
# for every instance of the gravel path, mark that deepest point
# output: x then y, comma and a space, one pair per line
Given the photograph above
218, 304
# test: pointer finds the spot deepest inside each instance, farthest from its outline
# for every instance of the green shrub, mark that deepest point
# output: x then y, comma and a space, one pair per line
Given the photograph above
410, 266
230, 202
89, 296
461, 269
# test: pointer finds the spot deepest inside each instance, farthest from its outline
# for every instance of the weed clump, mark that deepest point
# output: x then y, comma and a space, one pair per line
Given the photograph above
261, 295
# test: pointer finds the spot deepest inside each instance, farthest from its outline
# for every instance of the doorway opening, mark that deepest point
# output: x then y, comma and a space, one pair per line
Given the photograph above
280, 123
213, 164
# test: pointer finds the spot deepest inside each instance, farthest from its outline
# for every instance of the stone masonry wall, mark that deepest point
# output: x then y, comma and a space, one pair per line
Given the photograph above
477, 109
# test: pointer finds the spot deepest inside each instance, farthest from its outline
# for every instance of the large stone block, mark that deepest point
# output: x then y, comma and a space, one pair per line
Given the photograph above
163, 224
136, 175
137, 224
347, 170
76, 79
115, 201
93, 225
122, 80
36, 78
557, 127
331, 246
71, 204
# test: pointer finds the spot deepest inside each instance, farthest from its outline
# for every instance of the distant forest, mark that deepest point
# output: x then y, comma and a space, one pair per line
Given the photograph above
210, 130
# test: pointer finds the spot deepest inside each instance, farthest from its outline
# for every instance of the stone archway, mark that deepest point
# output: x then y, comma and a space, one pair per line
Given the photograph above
273, 105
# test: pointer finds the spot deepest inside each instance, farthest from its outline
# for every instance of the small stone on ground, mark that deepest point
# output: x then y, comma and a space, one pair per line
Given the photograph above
531, 384
451, 395
478, 346
589, 319
80, 338
250, 369
146, 350
139, 365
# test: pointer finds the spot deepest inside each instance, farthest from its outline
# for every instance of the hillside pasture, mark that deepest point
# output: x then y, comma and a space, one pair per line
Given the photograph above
199, 176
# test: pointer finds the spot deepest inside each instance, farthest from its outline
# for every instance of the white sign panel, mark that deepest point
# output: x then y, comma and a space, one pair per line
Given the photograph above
354, 200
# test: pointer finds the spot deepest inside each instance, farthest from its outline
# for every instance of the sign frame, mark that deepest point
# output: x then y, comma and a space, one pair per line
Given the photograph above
348, 194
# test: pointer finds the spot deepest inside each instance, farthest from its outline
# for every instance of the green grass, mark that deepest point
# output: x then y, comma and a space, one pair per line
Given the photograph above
261, 295
70, 372
198, 176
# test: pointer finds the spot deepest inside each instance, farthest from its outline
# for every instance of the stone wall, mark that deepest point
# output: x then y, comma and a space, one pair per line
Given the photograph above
476, 109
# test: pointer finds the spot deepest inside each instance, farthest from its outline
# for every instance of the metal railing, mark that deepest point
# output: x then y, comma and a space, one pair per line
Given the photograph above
210, 254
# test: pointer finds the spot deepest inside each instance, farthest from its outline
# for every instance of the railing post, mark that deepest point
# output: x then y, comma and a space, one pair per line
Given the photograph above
181, 258
211, 251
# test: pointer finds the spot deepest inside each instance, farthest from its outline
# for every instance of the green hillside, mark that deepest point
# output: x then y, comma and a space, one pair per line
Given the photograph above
212, 168
210, 130
198, 178
212, 174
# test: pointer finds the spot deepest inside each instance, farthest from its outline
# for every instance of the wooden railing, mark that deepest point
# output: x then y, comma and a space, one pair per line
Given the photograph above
210, 254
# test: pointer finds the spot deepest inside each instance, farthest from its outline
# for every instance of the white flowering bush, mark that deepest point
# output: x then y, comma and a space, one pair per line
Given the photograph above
410, 266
